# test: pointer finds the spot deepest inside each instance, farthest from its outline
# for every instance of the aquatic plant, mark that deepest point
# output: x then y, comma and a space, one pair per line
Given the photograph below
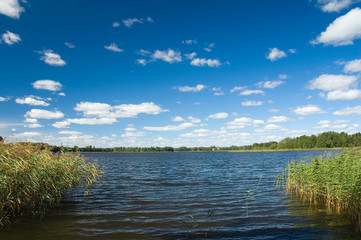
334, 181
33, 179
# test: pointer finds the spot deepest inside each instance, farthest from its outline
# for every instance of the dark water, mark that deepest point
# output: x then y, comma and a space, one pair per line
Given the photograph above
153, 195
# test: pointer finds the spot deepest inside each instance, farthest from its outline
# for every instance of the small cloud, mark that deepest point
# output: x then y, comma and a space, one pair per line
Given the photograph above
149, 19
143, 52
33, 125
275, 54
270, 84
51, 58
168, 128
251, 92
334, 5
115, 24
113, 47
251, 103
194, 119
196, 88
199, 62
308, 110
177, 119
210, 47
221, 115
190, 41
348, 111
69, 45
239, 88
292, 50
69, 132
190, 56
278, 119
217, 91
353, 66
43, 114
169, 56
32, 100
47, 85
282, 76
3, 99
141, 62
10, 38
273, 110
130, 21
62, 94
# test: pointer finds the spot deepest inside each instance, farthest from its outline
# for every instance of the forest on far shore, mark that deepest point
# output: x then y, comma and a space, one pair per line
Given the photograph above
321, 141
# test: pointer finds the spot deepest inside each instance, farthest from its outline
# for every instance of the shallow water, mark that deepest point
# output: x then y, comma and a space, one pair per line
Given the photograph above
154, 195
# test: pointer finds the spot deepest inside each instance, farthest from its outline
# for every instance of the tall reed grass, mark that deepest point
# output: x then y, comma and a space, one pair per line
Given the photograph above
334, 181
33, 179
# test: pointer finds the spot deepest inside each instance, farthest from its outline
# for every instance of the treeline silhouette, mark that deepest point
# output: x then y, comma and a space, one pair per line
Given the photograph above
320, 141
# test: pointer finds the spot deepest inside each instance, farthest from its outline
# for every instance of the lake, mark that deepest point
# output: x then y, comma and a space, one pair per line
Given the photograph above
170, 196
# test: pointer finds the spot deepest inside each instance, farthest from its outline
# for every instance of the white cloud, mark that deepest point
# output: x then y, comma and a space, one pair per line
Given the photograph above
251, 103
69, 132
326, 124
51, 58
329, 82
113, 47
11, 8
334, 5
352, 66
352, 94
69, 45
190, 56
43, 114
84, 121
348, 111
143, 52
194, 119
115, 24
31, 120
27, 135
103, 110
275, 54
62, 94
130, 21
33, 125
242, 122
190, 41
308, 110
10, 38
343, 31
210, 47
282, 76
218, 91
3, 99
273, 110
270, 128
141, 62
169, 56
32, 100
239, 88
179, 127
292, 50
133, 134
278, 119
250, 92
221, 115
47, 85
177, 119
130, 129
199, 62
270, 84
197, 88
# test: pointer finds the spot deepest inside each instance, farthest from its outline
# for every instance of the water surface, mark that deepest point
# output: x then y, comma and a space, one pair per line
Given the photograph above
168, 196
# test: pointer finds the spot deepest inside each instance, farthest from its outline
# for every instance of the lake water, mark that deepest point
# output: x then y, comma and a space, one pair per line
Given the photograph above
169, 195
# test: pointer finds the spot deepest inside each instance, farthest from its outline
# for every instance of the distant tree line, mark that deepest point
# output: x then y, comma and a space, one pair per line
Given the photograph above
322, 140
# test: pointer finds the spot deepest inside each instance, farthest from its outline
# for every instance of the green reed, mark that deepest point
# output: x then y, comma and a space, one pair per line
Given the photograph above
33, 179
333, 181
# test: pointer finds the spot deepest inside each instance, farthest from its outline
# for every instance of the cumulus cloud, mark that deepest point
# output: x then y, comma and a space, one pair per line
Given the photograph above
69, 132
10, 38
275, 54
278, 119
32, 100
47, 84
343, 31
251, 103
348, 111
115, 24
113, 47
190, 56
270, 84
347, 95
197, 88
51, 58
27, 135
193, 119
103, 110
69, 45
221, 115
129, 22
353, 66
251, 92
141, 62
133, 134
179, 127
33, 125
177, 119
270, 128
169, 56
84, 121
217, 91
273, 110
210, 47
326, 124
334, 5
242, 122
199, 62
239, 88
308, 110
43, 114
11, 8
3, 99
329, 82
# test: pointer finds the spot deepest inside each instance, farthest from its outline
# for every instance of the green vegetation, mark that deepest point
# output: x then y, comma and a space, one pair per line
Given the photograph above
333, 181
33, 179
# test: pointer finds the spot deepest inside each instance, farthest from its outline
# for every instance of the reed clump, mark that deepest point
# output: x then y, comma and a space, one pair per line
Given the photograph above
334, 181
33, 179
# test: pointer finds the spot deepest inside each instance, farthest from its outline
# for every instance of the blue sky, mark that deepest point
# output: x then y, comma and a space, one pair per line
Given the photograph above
178, 73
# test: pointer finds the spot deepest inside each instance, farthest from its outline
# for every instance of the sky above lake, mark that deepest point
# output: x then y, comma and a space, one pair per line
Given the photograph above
178, 73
